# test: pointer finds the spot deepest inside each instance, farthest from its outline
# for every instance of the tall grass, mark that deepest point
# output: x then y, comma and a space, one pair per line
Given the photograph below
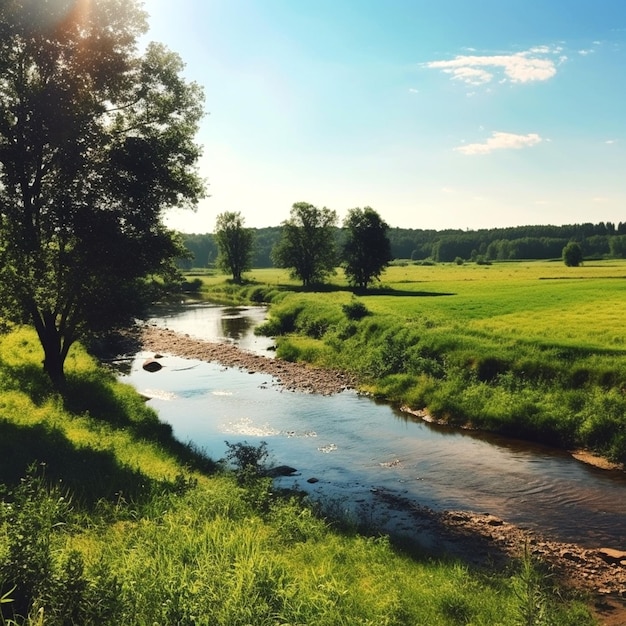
534, 349
105, 520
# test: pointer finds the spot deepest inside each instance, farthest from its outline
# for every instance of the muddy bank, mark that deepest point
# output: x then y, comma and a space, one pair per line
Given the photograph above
479, 539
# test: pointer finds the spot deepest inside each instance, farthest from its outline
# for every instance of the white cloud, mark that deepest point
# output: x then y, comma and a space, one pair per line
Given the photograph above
535, 64
501, 141
610, 141
584, 53
413, 90
470, 75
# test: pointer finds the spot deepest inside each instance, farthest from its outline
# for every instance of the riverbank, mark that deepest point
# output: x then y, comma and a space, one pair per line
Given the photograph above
290, 376
481, 540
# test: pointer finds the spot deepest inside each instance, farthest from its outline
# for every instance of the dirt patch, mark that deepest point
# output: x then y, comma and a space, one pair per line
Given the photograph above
597, 461
479, 539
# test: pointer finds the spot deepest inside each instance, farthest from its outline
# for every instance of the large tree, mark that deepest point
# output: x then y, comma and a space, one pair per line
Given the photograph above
366, 250
96, 141
234, 243
307, 243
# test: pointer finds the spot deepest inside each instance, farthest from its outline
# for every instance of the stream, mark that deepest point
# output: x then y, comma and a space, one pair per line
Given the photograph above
352, 447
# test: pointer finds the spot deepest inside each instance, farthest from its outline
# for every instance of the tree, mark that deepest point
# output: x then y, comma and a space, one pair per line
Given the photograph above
234, 243
572, 254
367, 250
307, 243
96, 141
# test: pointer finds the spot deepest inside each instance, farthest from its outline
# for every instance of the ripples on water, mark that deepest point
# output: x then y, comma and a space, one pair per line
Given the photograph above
352, 445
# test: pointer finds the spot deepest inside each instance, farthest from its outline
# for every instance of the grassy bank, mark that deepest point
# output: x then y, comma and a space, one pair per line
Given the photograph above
533, 350
104, 519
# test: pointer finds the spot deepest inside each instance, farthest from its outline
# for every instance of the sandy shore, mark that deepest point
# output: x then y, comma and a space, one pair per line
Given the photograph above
481, 540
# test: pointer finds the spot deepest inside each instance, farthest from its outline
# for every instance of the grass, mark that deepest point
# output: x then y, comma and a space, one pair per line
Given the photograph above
530, 349
105, 519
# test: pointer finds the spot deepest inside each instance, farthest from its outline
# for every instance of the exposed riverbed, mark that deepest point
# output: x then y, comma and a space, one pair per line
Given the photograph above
482, 497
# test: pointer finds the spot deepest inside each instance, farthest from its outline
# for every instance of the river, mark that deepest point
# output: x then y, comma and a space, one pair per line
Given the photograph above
352, 447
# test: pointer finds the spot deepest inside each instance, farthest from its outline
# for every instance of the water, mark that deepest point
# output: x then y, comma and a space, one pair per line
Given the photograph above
216, 323
356, 447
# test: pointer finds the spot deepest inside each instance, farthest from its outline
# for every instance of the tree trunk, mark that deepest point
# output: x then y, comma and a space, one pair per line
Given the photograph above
55, 348
53, 365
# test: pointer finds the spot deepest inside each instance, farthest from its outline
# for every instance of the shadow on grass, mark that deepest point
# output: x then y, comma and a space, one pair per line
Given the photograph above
96, 396
372, 291
28, 378
90, 475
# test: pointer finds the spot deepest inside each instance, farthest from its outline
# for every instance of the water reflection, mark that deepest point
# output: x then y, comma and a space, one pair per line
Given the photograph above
236, 323
353, 446
213, 322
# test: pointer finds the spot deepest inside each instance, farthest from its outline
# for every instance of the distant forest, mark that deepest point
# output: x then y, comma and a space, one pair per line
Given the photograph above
494, 244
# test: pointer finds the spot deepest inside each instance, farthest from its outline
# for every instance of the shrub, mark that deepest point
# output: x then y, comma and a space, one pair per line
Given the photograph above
355, 310
572, 254
287, 351
248, 460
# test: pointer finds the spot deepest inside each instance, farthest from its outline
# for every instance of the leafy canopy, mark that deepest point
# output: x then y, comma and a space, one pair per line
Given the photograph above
572, 254
367, 249
96, 141
234, 243
307, 243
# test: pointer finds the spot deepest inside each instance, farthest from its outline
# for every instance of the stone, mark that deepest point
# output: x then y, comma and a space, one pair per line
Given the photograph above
280, 470
150, 365
610, 555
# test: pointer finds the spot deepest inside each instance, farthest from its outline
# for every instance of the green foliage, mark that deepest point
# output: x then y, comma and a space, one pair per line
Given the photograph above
234, 243
192, 547
307, 244
96, 142
366, 250
507, 348
248, 460
355, 310
572, 254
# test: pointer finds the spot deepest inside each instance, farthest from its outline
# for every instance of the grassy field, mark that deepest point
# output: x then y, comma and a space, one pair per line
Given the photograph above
530, 349
105, 519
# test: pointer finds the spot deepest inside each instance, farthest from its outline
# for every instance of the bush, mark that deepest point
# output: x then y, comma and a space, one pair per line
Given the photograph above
248, 460
572, 254
355, 310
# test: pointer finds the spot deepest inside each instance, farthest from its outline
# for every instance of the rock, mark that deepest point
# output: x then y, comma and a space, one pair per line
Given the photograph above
571, 556
313, 480
280, 470
610, 555
494, 521
150, 365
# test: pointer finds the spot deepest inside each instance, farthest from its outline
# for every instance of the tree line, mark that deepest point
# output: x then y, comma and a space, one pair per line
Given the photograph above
603, 239
307, 245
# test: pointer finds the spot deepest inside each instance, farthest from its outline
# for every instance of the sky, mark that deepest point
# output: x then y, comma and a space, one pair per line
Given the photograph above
438, 114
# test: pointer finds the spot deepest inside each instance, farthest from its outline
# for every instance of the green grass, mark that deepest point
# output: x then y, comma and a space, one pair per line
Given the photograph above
105, 519
529, 349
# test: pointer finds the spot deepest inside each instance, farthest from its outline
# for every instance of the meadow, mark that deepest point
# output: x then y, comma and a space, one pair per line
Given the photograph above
529, 349
106, 519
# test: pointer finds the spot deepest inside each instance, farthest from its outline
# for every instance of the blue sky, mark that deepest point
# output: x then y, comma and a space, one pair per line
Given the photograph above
436, 113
